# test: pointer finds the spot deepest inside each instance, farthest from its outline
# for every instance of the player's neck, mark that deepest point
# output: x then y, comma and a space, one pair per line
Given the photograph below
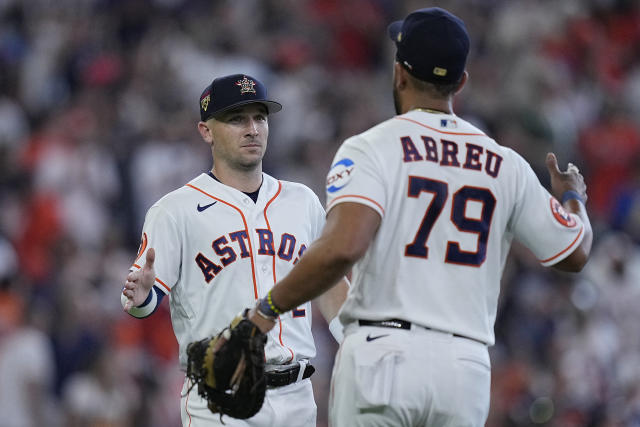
246, 181
429, 105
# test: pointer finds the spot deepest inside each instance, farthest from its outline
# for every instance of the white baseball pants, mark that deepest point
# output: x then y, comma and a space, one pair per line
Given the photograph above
418, 377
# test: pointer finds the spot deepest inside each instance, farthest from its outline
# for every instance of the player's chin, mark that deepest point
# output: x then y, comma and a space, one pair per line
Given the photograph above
251, 159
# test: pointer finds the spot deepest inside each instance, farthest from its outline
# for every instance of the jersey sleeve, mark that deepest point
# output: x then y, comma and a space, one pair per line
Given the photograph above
541, 223
356, 177
160, 231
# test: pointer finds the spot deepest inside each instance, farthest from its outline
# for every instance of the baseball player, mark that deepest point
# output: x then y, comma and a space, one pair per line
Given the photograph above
220, 242
424, 207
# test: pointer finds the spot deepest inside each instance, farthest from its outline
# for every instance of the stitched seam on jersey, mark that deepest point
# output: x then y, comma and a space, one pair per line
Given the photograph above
354, 195
246, 228
264, 212
566, 249
186, 403
281, 343
157, 280
438, 130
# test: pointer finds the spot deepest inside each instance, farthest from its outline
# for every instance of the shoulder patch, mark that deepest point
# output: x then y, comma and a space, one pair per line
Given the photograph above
340, 175
561, 215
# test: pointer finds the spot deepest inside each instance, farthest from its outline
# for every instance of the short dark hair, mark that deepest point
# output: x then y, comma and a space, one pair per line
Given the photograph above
437, 90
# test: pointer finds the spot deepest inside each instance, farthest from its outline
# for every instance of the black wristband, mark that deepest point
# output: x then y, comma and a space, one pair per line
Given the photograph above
571, 195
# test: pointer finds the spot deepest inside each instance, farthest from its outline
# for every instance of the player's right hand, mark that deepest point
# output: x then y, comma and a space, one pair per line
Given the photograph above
140, 282
571, 179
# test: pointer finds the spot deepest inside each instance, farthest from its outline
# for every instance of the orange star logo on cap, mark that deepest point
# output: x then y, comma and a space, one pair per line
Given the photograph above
246, 85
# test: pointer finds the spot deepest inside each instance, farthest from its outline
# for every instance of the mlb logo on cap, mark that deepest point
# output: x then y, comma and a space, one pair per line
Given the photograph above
232, 91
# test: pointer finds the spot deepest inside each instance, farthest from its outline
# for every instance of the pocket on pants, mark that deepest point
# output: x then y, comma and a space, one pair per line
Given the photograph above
375, 372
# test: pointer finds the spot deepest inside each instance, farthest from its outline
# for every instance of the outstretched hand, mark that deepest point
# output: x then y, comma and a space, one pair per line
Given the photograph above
140, 282
571, 179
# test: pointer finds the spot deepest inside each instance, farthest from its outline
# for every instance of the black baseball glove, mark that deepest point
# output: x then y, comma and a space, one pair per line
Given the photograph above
230, 378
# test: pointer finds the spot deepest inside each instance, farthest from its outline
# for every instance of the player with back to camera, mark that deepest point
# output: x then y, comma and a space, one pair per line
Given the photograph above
220, 242
424, 207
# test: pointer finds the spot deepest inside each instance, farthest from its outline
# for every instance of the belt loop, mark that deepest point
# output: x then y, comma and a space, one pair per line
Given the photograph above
303, 365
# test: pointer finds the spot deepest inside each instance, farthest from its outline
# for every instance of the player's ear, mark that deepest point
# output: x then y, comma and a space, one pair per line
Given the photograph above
463, 81
205, 132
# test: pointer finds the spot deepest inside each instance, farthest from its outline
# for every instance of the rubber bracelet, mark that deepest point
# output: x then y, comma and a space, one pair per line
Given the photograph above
268, 308
571, 195
275, 308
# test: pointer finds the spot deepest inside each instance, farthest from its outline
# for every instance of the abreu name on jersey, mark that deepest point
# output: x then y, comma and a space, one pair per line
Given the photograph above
449, 155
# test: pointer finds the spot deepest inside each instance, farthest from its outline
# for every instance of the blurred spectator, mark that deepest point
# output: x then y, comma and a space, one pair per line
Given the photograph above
26, 366
99, 396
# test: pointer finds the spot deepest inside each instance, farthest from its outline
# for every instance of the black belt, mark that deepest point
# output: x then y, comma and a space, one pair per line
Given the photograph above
287, 376
403, 324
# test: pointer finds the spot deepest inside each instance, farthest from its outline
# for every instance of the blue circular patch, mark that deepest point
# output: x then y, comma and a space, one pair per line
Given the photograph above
340, 175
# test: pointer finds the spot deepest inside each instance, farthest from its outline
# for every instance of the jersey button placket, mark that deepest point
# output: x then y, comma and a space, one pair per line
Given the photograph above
254, 216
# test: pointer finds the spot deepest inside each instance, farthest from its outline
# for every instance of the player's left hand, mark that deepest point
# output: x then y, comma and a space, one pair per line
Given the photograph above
140, 282
571, 179
264, 324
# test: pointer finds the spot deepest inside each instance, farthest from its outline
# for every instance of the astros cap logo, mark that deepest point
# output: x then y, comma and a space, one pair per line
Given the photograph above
246, 85
561, 215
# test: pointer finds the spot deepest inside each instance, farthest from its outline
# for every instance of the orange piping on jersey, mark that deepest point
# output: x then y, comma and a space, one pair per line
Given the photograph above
437, 130
246, 228
566, 249
157, 280
163, 284
274, 262
269, 228
143, 246
360, 197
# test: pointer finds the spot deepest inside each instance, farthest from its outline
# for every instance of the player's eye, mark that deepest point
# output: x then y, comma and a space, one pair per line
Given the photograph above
261, 118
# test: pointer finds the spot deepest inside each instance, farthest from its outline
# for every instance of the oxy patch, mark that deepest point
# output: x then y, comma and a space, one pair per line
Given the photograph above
340, 175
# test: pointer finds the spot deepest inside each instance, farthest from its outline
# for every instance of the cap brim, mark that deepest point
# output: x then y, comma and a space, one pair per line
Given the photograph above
394, 29
272, 106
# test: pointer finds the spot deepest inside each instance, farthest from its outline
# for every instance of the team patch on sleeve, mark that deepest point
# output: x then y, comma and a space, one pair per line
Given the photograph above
561, 215
340, 175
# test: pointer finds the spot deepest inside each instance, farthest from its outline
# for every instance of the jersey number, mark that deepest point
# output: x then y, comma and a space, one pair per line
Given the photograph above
440, 190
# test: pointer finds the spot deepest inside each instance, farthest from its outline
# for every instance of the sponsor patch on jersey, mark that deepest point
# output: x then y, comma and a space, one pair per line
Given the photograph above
340, 175
561, 215
142, 247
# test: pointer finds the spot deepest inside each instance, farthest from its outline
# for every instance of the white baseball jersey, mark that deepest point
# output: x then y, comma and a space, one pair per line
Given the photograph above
451, 201
217, 252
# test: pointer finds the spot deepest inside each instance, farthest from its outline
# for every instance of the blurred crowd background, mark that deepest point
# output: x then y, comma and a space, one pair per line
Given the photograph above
98, 113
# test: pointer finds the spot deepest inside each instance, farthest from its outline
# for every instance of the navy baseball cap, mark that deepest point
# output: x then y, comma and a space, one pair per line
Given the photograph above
232, 91
432, 44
